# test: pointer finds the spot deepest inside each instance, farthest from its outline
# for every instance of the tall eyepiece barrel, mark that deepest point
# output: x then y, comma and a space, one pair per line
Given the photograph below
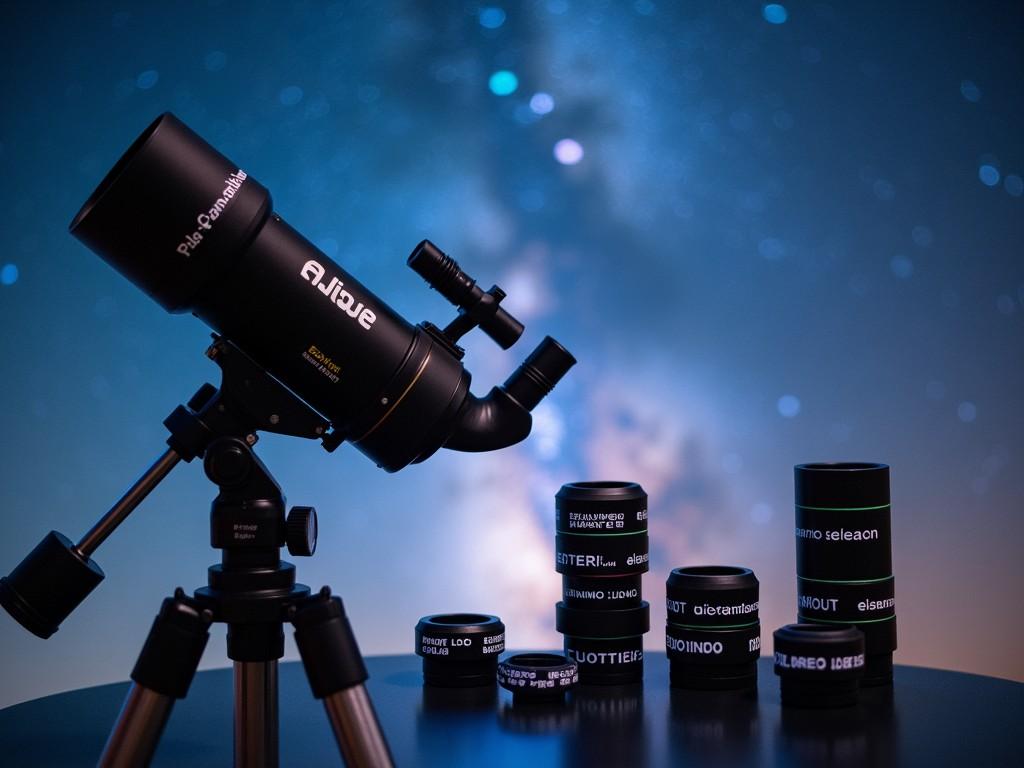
601, 550
844, 555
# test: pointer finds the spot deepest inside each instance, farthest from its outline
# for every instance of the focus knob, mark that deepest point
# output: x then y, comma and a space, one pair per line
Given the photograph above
301, 534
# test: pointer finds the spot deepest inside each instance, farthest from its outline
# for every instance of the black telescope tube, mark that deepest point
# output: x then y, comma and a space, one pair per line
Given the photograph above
844, 556
198, 234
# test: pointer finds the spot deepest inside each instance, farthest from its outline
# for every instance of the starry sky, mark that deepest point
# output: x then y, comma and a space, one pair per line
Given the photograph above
770, 234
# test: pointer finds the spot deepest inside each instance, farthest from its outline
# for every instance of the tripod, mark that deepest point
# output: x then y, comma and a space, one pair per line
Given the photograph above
251, 590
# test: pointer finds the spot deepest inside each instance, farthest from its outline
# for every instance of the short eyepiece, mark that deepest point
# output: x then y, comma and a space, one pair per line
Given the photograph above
713, 634
539, 373
460, 650
537, 677
819, 665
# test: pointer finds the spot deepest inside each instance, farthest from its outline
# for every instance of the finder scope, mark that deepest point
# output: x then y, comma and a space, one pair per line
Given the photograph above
198, 234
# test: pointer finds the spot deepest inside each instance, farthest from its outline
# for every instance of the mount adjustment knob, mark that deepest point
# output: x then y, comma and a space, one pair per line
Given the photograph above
301, 531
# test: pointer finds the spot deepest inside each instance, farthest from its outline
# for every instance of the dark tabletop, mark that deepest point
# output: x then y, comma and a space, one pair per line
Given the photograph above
928, 718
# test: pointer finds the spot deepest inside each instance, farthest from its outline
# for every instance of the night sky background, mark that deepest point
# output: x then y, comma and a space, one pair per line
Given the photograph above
769, 234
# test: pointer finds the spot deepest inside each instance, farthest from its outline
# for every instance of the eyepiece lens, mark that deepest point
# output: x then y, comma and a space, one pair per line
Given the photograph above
460, 650
713, 633
537, 677
819, 665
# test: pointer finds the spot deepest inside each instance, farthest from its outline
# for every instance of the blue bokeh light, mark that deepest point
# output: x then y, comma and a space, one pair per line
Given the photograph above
788, 406
9, 274
771, 248
491, 17
775, 13
884, 190
215, 61
542, 103
922, 235
902, 267
290, 95
147, 79
503, 83
970, 91
989, 175
967, 412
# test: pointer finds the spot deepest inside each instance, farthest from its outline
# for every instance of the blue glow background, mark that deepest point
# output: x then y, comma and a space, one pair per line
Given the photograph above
794, 235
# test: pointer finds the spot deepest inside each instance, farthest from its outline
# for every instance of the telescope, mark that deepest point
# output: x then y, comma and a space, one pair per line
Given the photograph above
305, 350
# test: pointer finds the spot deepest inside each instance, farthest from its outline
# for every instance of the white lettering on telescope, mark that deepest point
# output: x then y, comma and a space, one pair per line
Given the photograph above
314, 272
206, 219
868, 534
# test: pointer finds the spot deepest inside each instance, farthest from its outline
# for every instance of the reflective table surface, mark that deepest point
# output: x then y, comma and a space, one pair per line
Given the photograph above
928, 718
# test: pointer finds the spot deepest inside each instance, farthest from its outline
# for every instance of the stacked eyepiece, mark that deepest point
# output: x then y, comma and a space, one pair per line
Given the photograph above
844, 556
713, 634
601, 550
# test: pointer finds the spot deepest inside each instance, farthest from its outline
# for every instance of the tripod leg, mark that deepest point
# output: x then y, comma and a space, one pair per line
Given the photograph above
162, 674
336, 674
256, 714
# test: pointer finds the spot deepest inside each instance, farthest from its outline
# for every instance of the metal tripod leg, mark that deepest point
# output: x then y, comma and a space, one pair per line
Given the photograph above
336, 674
133, 740
256, 725
356, 728
162, 674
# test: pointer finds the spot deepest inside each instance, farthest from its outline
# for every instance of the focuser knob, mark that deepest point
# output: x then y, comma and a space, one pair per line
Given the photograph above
301, 531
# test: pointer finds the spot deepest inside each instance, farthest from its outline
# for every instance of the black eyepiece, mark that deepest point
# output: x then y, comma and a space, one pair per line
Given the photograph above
460, 650
539, 373
844, 555
537, 677
601, 550
48, 585
819, 665
713, 635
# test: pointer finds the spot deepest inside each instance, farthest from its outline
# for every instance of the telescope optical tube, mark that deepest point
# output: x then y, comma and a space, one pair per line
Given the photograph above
198, 234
